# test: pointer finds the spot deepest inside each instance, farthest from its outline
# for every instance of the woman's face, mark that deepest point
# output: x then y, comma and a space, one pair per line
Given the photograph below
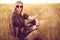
19, 7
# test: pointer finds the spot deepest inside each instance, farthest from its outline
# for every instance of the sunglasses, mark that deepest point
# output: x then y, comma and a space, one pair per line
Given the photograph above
19, 6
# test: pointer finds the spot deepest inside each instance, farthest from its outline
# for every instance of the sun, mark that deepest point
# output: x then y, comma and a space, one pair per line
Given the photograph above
24, 1
30, 1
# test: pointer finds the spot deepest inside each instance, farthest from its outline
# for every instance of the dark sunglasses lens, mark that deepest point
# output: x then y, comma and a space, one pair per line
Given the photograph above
17, 6
21, 6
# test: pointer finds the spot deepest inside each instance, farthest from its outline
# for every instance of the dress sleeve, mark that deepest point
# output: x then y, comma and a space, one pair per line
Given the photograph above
25, 16
14, 21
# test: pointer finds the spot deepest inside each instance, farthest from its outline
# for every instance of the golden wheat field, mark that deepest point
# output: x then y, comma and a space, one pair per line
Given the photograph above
49, 20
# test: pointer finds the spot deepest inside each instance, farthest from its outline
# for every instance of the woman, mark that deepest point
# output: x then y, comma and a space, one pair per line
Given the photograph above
18, 21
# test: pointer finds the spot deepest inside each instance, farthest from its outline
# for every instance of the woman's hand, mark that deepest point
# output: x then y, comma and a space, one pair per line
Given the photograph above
34, 17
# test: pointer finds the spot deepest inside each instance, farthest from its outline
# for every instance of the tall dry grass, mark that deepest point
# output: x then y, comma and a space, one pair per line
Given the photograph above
49, 20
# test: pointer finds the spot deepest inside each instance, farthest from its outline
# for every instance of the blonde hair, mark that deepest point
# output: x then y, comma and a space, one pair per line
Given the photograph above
18, 2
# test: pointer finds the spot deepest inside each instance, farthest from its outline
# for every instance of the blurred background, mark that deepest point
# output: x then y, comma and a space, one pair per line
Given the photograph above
49, 17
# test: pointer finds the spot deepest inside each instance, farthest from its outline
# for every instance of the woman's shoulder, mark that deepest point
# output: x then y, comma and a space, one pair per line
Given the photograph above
14, 14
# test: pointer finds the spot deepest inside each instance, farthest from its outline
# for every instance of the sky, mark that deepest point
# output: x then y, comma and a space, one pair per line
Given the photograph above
29, 1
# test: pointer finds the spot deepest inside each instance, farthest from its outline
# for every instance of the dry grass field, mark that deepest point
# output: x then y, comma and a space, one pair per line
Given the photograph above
49, 20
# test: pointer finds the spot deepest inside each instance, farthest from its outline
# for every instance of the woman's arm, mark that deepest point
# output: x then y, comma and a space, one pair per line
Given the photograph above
14, 23
33, 17
16, 32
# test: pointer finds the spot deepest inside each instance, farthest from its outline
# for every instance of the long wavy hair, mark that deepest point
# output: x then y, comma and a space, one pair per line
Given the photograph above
18, 2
